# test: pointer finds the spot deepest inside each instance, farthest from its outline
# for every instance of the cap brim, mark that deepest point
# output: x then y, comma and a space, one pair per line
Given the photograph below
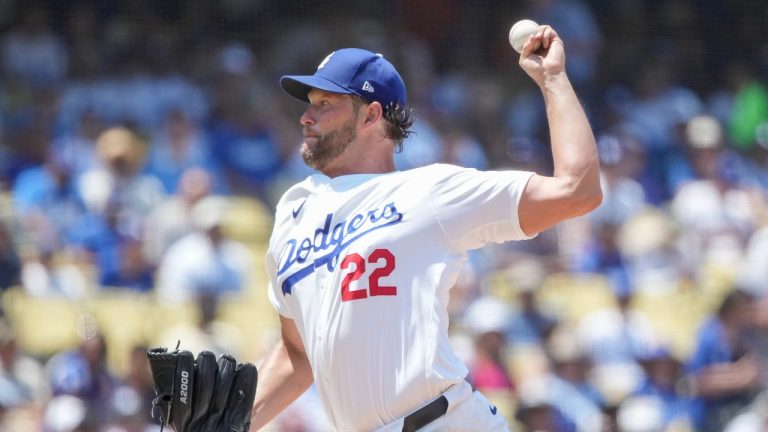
299, 86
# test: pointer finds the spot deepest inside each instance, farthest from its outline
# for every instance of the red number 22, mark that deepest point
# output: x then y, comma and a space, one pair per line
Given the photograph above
374, 288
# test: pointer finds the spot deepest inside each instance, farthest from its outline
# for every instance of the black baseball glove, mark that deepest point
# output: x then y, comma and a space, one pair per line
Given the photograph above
202, 395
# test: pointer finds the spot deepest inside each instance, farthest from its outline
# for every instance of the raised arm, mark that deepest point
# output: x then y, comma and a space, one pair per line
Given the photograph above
574, 189
283, 376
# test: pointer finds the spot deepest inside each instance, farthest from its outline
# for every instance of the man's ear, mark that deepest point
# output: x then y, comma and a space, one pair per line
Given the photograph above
373, 113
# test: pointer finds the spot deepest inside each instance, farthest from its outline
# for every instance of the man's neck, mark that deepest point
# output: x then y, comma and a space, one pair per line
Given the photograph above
368, 164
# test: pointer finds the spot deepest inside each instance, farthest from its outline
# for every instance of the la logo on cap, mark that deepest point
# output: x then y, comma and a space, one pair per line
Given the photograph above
325, 60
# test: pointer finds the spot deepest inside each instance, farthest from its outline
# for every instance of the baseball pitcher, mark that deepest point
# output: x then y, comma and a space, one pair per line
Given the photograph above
362, 256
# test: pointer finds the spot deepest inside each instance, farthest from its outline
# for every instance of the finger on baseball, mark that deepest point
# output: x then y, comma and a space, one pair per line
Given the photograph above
546, 37
550, 35
536, 37
534, 41
527, 48
545, 34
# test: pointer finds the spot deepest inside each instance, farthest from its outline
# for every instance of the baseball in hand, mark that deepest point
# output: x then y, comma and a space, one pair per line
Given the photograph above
520, 32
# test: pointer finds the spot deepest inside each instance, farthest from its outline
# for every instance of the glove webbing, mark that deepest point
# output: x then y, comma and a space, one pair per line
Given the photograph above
168, 400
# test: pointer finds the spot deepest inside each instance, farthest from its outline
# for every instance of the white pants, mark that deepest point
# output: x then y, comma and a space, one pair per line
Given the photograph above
467, 411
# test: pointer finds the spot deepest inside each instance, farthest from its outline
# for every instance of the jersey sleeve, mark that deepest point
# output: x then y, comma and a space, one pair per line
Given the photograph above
478, 207
274, 293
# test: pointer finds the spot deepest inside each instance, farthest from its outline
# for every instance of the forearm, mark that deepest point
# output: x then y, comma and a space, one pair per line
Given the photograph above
573, 145
283, 377
574, 189
721, 380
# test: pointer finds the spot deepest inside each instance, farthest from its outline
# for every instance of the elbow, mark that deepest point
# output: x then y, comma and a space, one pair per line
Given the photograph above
584, 192
594, 199
591, 191
586, 200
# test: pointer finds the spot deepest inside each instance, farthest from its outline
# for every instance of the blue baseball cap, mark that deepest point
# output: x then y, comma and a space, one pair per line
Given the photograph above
351, 71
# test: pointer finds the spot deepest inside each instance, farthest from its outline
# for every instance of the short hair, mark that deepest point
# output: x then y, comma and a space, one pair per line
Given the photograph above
398, 117
735, 297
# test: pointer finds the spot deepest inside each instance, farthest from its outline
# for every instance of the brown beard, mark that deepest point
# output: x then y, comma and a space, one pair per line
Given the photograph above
329, 146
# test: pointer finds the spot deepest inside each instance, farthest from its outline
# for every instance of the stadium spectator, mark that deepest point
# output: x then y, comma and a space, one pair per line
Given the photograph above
529, 324
22, 379
603, 255
662, 384
535, 416
118, 180
118, 198
649, 248
77, 147
46, 201
48, 274
724, 367
623, 196
715, 212
204, 262
487, 318
113, 250
132, 399
615, 337
172, 218
566, 387
179, 145
246, 148
83, 373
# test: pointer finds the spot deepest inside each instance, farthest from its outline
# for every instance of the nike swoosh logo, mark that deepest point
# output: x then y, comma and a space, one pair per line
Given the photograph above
298, 209
493, 409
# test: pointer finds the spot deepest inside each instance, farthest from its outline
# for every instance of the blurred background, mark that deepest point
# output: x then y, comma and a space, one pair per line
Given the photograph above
144, 145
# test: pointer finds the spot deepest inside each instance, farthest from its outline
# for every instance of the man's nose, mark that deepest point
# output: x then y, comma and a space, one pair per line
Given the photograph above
308, 117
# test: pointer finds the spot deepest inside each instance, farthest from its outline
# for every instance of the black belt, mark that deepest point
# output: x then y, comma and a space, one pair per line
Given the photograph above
425, 415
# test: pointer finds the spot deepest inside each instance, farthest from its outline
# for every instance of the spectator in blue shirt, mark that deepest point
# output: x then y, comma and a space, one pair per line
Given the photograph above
45, 198
180, 145
724, 368
247, 151
663, 373
83, 373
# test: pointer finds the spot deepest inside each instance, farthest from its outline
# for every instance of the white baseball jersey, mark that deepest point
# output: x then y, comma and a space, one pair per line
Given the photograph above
363, 265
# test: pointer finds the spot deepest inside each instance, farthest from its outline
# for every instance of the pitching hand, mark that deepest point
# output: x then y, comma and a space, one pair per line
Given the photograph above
543, 55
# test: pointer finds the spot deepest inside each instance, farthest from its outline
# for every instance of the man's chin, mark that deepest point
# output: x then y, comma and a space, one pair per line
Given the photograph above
309, 160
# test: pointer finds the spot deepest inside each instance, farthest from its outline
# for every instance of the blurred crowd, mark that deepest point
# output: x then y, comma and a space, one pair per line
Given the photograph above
128, 126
